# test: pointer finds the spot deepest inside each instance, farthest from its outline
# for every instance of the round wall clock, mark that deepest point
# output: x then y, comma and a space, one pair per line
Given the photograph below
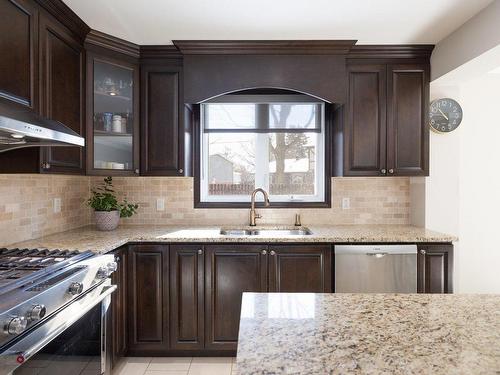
445, 115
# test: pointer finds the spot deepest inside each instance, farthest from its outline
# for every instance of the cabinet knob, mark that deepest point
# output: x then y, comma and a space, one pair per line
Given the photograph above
272, 252
200, 251
136, 171
423, 252
45, 165
391, 171
181, 170
383, 171
263, 252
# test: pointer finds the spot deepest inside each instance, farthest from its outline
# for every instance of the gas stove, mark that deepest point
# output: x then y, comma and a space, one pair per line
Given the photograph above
36, 284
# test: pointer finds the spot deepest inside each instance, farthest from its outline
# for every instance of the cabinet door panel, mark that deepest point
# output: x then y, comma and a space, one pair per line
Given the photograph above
186, 297
148, 299
435, 269
407, 115
162, 137
62, 91
300, 268
112, 90
119, 307
18, 48
230, 271
365, 133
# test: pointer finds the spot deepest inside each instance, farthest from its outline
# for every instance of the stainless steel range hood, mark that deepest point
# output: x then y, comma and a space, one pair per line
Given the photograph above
23, 128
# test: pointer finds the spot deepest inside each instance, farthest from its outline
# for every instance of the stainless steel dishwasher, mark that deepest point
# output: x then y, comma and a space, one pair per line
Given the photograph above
376, 268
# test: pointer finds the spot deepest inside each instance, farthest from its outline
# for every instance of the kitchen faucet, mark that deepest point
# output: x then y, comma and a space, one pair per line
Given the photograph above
253, 214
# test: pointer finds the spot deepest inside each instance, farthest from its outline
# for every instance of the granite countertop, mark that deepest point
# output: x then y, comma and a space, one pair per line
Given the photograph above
290, 333
88, 238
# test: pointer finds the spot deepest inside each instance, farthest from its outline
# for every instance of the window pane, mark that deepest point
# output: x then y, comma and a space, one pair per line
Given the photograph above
294, 116
229, 116
292, 163
231, 164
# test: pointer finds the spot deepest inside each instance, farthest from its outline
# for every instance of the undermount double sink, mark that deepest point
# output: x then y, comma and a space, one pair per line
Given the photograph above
266, 232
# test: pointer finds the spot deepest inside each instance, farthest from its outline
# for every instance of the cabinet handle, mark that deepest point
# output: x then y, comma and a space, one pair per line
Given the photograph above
181, 170
423, 252
391, 171
272, 252
136, 171
200, 251
263, 252
383, 171
45, 165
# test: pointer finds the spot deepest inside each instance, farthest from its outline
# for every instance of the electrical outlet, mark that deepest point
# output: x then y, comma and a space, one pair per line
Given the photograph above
346, 203
160, 204
57, 205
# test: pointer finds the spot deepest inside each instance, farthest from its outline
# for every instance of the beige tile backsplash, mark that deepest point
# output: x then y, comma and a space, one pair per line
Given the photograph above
372, 201
27, 204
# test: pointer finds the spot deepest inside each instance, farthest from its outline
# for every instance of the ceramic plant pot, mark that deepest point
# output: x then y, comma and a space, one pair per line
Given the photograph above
107, 220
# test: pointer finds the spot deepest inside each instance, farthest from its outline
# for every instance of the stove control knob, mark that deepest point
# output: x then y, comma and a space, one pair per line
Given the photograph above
112, 267
15, 326
104, 271
36, 313
75, 288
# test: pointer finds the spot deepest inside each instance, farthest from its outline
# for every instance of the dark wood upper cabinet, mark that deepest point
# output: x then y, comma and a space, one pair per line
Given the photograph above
112, 114
384, 130
365, 133
230, 270
300, 268
119, 307
162, 127
186, 297
19, 51
407, 120
435, 268
148, 299
62, 83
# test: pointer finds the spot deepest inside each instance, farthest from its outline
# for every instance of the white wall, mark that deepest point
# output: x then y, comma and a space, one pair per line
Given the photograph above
479, 179
462, 193
475, 37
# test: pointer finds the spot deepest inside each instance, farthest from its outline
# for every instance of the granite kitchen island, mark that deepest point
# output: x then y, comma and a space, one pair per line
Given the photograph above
285, 333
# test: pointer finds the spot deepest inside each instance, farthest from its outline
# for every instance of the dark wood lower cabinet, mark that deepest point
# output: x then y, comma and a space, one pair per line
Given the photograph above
300, 268
186, 297
148, 299
119, 307
230, 270
435, 268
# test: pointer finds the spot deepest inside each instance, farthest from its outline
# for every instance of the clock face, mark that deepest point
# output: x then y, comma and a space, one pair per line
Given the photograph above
445, 115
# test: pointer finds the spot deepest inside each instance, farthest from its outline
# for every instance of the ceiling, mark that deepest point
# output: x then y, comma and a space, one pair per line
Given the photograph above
369, 21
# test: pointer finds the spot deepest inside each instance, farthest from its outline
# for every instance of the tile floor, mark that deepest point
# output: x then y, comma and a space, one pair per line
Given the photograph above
176, 366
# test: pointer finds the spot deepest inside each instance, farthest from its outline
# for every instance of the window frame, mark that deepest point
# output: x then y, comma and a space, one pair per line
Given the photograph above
197, 157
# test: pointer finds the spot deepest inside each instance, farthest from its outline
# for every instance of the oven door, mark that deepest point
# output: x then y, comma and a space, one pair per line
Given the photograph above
72, 341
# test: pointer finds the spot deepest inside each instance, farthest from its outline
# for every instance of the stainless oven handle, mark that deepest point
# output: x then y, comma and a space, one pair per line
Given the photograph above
41, 336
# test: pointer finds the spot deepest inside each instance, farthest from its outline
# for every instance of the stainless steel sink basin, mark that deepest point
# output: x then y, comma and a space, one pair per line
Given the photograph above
266, 232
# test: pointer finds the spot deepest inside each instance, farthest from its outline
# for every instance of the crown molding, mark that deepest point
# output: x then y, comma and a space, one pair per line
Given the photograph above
110, 42
159, 52
66, 16
264, 47
403, 51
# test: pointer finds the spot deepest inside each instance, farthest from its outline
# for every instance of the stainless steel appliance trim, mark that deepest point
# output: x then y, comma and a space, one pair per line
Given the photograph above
35, 340
374, 249
42, 136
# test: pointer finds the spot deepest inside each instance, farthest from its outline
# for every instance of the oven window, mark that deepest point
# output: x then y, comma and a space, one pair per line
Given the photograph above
76, 351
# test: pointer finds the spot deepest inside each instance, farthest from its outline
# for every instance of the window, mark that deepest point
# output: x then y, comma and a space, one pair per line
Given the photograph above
276, 142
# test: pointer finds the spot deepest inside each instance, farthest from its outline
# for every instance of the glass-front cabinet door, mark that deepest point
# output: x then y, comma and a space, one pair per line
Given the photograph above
113, 117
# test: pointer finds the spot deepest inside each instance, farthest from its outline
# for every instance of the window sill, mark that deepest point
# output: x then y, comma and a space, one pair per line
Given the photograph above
261, 205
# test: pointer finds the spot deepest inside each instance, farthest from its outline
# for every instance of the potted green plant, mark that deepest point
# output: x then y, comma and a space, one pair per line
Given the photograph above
107, 209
